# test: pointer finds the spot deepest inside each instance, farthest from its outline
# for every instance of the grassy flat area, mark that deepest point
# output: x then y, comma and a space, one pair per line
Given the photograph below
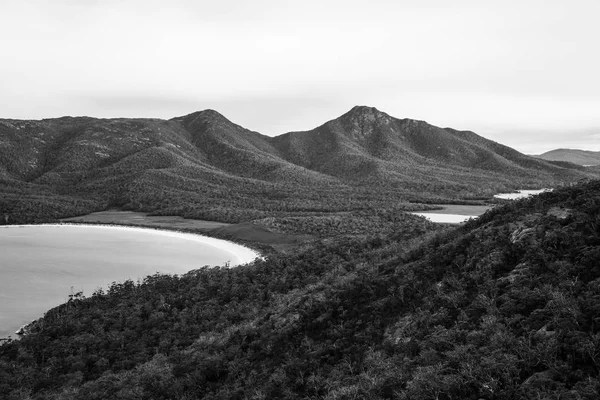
247, 233
143, 219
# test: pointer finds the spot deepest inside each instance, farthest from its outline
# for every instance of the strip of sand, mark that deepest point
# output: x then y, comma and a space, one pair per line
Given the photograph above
240, 254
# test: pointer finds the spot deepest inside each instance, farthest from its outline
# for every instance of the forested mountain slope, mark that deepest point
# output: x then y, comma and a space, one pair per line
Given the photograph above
200, 166
506, 306
580, 157
366, 143
239, 151
204, 166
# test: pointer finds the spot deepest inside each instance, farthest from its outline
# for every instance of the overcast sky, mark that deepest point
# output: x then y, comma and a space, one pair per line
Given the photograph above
524, 73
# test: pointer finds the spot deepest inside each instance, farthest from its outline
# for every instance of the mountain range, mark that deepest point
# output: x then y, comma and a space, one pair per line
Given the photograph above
204, 166
579, 157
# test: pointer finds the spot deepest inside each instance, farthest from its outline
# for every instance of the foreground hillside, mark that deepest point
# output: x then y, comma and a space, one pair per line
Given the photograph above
204, 166
504, 307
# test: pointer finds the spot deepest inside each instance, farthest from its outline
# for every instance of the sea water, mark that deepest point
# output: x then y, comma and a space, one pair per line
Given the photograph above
41, 265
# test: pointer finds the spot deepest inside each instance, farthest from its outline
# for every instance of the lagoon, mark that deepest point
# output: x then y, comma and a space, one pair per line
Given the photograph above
519, 194
40, 265
456, 214
453, 213
445, 218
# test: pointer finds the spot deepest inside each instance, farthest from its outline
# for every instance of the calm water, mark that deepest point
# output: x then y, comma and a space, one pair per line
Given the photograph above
520, 194
40, 264
464, 215
445, 218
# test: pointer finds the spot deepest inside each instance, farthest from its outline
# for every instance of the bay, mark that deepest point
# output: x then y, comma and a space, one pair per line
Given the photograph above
519, 194
40, 265
456, 214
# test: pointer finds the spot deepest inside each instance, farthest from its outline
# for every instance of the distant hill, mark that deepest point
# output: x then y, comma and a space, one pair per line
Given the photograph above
368, 144
579, 157
204, 166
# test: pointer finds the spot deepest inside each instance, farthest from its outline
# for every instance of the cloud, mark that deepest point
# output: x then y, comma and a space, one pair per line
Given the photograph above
270, 114
276, 66
275, 114
124, 105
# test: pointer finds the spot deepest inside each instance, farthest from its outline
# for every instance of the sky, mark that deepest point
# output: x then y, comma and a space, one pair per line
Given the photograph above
523, 73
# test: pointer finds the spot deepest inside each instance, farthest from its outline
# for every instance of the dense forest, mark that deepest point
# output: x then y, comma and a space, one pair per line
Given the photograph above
505, 306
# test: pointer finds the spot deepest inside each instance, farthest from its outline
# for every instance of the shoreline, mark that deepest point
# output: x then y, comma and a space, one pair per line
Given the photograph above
240, 255
457, 214
244, 254
441, 218
521, 193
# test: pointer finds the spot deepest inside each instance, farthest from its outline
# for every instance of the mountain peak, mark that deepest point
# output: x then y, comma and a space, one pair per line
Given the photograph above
208, 113
211, 112
207, 116
365, 114
365, 111
361, 120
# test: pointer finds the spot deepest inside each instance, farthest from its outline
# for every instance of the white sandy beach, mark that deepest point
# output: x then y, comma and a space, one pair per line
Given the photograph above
240, 254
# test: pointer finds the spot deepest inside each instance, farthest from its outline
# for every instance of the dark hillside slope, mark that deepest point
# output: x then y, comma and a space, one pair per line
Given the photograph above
579, 157
176, 166
66, 146
71, 145
496, 156
240, 151
505, 307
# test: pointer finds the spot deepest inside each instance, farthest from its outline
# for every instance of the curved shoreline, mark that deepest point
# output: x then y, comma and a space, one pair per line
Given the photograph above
237, 254
445, 218
521, 193
243, 254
